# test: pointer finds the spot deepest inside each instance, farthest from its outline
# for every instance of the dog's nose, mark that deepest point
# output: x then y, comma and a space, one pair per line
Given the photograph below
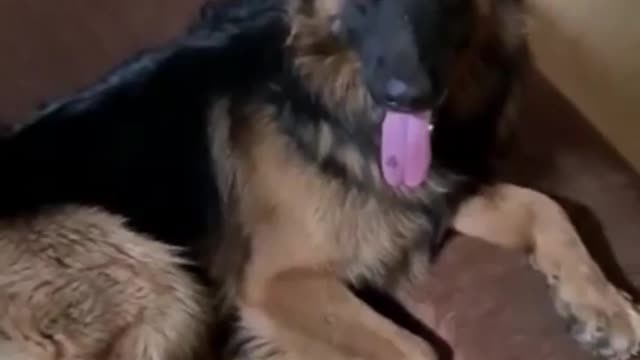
408, 95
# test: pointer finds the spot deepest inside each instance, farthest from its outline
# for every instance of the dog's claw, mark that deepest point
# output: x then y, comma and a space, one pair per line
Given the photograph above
609, 327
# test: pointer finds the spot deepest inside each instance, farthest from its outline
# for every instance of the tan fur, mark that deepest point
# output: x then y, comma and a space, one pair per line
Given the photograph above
331, 323
329, 69
313, 235
76, 284
340, 227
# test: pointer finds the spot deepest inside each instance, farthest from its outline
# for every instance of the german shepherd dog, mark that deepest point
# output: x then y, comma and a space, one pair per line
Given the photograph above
296, 149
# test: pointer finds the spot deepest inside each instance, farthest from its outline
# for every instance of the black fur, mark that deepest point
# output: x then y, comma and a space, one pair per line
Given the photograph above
137, 143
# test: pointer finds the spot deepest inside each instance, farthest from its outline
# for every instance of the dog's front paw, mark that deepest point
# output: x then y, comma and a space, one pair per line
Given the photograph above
601, 318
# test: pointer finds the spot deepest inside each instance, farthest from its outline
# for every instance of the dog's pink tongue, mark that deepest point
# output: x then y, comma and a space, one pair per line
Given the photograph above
406, 149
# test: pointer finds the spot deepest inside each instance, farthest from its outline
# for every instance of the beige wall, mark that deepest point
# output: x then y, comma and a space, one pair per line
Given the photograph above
590, 49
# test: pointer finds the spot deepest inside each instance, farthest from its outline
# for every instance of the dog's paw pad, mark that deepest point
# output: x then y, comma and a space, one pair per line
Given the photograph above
610, 327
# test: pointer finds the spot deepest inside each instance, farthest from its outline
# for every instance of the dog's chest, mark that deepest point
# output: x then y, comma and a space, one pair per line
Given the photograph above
298, 216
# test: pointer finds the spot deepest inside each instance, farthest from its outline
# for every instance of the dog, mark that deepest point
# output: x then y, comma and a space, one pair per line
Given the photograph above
296, 149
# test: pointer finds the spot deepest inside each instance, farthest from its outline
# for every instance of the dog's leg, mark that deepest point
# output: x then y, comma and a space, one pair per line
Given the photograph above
601, 316
308, 315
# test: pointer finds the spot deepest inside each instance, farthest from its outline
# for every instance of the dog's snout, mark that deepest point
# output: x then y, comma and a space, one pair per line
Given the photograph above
408, 95
396, 89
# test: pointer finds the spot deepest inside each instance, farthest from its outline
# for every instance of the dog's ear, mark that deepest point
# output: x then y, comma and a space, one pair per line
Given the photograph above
485, 82
501, 21
496, 49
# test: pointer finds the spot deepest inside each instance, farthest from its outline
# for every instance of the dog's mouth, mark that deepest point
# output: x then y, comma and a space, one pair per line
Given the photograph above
405, 151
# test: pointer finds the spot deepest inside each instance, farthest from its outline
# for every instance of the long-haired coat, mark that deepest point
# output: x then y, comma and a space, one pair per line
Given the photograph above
294, 148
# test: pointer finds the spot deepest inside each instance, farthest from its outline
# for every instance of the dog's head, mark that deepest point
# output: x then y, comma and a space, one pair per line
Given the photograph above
407, 53
403, 46
410, 62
